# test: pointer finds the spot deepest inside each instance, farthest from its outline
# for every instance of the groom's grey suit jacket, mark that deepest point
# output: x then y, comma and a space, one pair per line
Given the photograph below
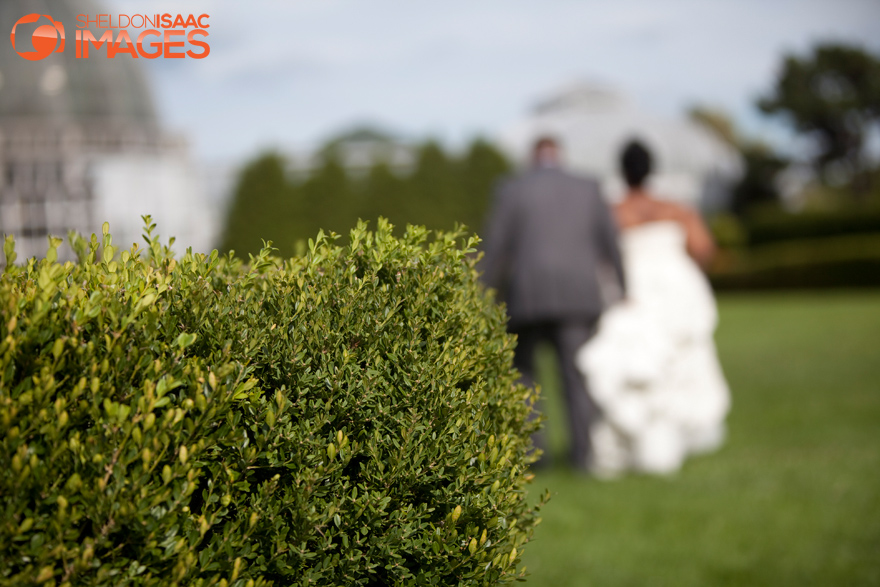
548, 235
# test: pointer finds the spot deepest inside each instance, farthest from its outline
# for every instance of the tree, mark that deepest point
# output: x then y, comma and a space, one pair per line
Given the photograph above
762, 163
833, 95
386, 194
261, 205
440, 191
718, 122
481, 167
758, 183
436, 189
329, 200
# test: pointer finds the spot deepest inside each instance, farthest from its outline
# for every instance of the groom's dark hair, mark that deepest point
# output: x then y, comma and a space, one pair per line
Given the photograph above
635, 162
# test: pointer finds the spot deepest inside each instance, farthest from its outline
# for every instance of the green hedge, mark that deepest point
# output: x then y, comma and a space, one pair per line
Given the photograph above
772, 227
843, 261
350, 417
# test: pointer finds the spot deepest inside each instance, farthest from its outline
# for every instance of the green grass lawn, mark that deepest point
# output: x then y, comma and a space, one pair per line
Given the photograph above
793, 498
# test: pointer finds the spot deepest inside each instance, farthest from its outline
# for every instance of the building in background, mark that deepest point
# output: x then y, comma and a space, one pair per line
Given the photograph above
358, 150
594, 122
81, 143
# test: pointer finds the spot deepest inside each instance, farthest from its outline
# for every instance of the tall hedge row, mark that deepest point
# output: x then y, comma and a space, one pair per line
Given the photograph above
442, 188
349, 417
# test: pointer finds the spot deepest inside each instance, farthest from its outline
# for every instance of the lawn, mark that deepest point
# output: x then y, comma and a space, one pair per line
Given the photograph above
793, 498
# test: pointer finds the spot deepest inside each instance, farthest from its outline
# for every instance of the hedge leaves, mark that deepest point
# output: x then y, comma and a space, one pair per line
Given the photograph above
348, 417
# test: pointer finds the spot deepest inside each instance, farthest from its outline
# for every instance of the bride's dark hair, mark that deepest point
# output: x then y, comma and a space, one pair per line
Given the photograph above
635, 162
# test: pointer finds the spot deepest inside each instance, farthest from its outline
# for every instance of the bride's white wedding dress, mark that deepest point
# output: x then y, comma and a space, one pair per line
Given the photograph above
652, 366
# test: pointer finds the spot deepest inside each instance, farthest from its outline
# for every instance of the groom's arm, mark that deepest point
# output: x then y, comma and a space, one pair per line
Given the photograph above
609, 238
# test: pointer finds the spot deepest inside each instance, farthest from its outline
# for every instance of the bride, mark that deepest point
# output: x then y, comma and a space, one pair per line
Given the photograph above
652, 366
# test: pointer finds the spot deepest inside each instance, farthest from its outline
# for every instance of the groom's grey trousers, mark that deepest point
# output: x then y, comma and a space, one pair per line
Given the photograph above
566, 338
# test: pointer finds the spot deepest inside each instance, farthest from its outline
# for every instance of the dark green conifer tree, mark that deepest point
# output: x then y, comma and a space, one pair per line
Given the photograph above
262, 205
481, 168
436, 188
329, 200
386, 194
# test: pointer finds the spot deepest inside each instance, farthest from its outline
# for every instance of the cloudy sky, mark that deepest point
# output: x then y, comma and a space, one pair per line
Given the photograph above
287, 73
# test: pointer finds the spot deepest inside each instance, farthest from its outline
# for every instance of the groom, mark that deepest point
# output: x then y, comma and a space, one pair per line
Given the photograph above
548, 235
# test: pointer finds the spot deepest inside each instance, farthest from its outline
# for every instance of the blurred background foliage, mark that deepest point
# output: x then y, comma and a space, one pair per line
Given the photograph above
277, 202
807, 218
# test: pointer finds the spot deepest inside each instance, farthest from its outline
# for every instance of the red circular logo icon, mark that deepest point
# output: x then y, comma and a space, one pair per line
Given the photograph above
47, 38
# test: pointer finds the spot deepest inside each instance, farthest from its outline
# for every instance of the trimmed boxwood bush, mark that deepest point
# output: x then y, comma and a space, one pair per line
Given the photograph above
350, 417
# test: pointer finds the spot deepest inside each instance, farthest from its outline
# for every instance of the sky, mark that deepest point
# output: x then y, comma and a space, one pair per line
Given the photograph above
289, 73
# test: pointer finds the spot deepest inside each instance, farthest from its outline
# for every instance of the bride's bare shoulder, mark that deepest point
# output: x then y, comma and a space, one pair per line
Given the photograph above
628, 213
632, 212
682, 211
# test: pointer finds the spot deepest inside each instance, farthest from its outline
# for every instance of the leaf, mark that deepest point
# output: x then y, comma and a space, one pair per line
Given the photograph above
185, 339
316, 418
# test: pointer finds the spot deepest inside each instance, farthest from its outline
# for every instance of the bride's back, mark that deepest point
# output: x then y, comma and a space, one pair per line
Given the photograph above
664, 246
664, 280
640, 209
